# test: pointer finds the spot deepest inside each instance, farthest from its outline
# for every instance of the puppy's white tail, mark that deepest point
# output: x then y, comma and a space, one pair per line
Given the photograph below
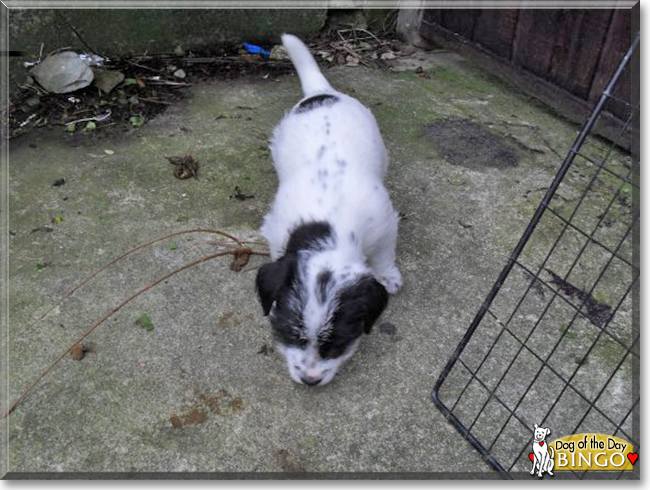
311, 79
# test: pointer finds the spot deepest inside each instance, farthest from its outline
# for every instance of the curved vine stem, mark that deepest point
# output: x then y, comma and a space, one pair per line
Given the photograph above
126, 254
140, 291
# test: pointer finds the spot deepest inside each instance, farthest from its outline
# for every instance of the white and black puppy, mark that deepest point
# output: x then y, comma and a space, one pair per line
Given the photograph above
332, 229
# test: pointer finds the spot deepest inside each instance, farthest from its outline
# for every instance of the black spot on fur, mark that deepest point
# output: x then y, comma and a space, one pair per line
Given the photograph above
321, 152
323, 100
309, 236
353, 237
322, 283
341, 163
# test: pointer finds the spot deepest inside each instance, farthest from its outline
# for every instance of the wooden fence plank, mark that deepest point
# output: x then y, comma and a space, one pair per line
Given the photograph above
579, 41
460, 21
616, 44
433, 16
535, 39
495, 29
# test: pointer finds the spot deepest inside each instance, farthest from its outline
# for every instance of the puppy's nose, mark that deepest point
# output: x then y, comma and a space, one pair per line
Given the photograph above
311, 381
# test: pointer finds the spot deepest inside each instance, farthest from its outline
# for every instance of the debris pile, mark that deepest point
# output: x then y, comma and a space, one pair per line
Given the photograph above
83, 93
86, 92
352, 47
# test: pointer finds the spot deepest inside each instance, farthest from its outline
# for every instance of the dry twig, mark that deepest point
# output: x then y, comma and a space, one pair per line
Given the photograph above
126, 254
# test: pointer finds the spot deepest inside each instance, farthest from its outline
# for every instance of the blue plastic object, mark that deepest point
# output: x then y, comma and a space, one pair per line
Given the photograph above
253, 49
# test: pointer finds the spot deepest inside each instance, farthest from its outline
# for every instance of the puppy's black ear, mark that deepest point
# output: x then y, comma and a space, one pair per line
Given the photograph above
308, 236
367, 299
377, 298
272, 277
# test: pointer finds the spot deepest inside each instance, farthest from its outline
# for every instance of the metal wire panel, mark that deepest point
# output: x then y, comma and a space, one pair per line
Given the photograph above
556, 341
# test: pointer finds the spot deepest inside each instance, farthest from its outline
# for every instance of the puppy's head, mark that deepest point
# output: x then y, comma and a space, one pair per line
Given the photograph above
318, 308
540, 433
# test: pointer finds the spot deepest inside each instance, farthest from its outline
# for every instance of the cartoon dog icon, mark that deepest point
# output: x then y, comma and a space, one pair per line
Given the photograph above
541, 457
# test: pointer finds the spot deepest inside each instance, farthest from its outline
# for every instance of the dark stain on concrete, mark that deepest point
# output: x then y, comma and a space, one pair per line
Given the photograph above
469, 144
597, 312
287, 462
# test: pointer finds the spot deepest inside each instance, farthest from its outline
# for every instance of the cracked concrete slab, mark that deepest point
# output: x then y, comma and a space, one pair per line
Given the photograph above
204, 390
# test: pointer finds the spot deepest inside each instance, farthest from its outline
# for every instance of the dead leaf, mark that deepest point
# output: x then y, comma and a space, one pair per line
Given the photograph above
184, 167
241, 257
176, 421
351, 60
107, 80
78, 352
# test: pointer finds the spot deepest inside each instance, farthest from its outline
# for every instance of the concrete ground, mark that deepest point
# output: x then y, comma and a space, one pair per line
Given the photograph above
203, 390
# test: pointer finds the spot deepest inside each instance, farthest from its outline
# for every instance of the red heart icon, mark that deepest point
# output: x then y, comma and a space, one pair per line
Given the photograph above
632, 457
530, 455
541, 443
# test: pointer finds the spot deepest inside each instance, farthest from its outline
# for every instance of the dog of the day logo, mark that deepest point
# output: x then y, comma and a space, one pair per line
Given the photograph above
591, 451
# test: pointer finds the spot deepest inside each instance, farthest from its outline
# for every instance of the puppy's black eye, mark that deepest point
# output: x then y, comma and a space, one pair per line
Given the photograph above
295, 339
288, 333
333, 346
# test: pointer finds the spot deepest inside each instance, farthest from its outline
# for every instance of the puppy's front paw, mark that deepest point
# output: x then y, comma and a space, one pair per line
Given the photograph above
391, 280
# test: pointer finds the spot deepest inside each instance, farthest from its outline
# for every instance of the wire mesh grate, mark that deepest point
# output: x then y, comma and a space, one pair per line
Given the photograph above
555, 341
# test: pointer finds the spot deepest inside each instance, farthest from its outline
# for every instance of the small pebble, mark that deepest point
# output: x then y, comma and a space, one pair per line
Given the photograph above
180, 73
